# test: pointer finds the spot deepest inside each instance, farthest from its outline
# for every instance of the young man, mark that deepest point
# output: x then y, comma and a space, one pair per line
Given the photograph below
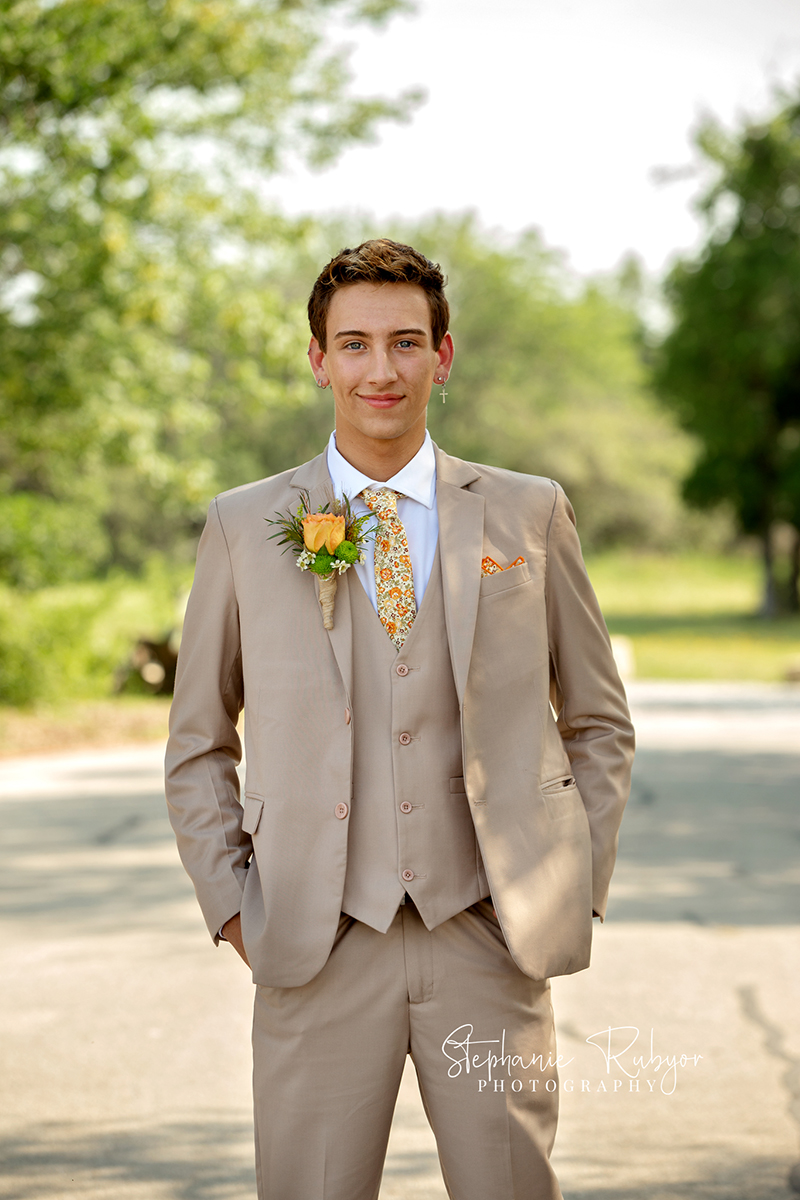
424, 836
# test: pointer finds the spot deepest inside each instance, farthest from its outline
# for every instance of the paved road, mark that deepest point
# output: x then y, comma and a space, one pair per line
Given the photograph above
124, 1055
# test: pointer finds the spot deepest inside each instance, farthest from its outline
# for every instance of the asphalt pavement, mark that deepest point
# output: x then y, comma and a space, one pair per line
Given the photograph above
124, 1057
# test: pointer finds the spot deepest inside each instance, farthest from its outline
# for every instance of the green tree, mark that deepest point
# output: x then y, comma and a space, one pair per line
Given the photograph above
549, 379
136, 306
730, 366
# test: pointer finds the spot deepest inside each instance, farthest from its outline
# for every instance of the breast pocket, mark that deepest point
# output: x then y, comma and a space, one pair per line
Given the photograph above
510, 645
502, 581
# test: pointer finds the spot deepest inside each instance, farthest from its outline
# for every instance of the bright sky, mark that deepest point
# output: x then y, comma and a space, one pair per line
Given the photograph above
553, 113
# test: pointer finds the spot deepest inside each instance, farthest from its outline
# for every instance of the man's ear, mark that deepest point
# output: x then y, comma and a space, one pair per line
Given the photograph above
444, 356
316, 358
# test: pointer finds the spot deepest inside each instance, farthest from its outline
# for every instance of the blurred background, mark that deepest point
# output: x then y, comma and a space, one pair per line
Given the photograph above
613, 190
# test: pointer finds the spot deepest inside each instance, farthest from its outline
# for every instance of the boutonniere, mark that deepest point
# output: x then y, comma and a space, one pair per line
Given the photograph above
326, 542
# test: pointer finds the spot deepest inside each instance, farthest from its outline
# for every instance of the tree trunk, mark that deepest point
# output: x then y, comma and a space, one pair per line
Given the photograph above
793, 599
770, 603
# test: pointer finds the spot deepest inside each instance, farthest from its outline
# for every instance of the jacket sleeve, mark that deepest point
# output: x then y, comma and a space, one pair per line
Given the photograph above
203, 750
587, 694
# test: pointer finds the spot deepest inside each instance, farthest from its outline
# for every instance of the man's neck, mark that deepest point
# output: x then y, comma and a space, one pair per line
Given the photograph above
378, 459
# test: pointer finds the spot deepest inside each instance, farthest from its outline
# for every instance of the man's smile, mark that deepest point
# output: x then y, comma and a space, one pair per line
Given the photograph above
381, 399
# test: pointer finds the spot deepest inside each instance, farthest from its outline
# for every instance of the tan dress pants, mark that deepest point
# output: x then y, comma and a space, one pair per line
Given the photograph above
328, 1058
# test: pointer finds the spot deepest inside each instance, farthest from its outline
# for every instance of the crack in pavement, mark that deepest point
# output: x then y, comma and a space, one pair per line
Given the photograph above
775, 1045
116, 831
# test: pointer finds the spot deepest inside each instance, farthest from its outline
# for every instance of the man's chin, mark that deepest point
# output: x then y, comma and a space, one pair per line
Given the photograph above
386, 427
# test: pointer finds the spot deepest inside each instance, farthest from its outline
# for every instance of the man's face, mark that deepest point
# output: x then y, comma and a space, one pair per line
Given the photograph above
380, 360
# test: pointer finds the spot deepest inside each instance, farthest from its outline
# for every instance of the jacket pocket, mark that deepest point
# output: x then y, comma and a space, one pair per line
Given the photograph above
253, 808
561, 797
501, 581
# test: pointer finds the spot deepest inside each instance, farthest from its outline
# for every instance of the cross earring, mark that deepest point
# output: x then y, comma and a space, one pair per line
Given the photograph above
443, 381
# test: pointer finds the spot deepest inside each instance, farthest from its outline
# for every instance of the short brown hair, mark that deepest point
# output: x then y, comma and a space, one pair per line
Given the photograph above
379, 260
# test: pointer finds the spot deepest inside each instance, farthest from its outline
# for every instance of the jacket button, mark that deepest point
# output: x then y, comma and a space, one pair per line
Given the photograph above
406, 807
401, 669
408, 876
405, 739
341, 811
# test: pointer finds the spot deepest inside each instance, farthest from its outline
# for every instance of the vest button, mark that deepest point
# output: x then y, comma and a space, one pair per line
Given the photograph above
406, 807
401, 669
341, 811
408, 876
405, 739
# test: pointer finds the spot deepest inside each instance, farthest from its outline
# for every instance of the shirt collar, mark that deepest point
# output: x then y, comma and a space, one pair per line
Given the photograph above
417, 479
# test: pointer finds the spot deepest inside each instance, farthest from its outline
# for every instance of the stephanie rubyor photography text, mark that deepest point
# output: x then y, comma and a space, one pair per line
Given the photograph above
642, 1069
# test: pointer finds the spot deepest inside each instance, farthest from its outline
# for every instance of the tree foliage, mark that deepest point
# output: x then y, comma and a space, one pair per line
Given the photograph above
152, 306
548, 379
135, 137
730, 366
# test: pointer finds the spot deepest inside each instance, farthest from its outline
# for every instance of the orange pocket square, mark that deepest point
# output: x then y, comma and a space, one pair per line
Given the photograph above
490, 567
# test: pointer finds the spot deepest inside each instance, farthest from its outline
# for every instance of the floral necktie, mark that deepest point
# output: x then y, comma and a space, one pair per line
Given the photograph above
394, 580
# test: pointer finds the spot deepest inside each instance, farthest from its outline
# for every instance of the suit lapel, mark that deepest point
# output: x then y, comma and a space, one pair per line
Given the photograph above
313, 477
461, 549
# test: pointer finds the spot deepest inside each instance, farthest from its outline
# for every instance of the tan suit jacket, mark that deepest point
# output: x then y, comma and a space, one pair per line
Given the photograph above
546, 795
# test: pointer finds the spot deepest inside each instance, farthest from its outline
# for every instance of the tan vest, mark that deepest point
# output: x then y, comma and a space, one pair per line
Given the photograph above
409, 809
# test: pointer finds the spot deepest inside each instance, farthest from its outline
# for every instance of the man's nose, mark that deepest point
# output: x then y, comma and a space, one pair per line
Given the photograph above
381, 369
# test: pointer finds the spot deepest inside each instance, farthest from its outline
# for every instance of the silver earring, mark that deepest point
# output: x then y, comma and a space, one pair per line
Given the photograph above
320, 384
443, 381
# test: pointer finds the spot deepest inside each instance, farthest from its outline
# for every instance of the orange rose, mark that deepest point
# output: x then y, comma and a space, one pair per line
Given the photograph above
323, 529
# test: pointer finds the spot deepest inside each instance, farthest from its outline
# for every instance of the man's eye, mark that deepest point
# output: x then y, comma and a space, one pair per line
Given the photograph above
404, 342
354, 345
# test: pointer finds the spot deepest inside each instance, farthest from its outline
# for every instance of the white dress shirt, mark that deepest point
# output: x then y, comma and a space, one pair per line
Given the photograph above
417, 510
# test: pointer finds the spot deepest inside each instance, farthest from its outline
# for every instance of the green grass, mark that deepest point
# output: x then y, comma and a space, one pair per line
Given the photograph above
692, 617
69, 642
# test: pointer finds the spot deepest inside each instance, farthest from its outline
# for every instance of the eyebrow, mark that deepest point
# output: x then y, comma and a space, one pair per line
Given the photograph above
395, 333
